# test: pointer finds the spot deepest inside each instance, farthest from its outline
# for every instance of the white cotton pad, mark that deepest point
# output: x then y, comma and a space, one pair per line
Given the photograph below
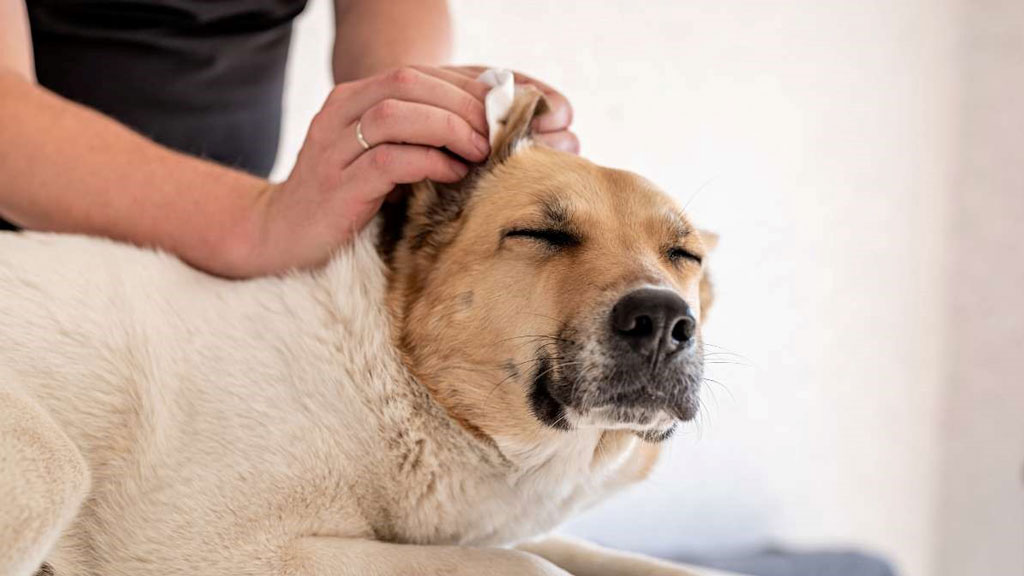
499, 100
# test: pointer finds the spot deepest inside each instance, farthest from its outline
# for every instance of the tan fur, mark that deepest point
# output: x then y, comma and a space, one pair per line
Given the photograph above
368, 418
473, 306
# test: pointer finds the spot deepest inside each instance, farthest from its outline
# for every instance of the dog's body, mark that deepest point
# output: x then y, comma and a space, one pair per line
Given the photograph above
155, 420
318, 426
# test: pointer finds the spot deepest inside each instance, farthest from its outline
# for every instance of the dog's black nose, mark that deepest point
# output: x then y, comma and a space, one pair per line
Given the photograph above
653, 321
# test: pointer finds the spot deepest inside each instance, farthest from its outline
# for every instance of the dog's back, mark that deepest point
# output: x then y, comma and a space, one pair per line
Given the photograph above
68, 338
173, 386
106, 334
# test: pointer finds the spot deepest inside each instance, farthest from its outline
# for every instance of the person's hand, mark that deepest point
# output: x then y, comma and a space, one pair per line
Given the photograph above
550, 128
405, 116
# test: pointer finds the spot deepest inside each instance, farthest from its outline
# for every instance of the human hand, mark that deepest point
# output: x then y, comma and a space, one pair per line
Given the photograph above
406, 116
550, 128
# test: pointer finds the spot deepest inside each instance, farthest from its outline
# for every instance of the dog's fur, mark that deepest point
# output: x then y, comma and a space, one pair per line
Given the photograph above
372, 417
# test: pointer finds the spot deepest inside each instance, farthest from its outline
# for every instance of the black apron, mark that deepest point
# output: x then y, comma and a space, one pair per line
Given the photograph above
201, 76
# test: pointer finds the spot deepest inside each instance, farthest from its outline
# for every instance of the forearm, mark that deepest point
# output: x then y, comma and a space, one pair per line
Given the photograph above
582, 558
373, 36
66, 168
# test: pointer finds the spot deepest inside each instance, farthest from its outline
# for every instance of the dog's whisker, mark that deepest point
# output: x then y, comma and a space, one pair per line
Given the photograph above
711, 392
721, 386
698, 191
510, 376
536, 336
722, 353
552, 318
724, 358
725, 351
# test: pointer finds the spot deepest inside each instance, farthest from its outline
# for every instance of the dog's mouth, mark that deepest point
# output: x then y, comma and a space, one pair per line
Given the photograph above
582, 385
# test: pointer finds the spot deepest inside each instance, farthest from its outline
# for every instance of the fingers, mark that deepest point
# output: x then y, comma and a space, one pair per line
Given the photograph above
564, 140
469, 83
355, 98
400, 122
559, 114
384, 167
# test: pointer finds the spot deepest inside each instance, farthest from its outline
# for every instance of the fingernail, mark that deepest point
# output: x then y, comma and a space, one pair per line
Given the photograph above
459, 169
545, 122
481, 144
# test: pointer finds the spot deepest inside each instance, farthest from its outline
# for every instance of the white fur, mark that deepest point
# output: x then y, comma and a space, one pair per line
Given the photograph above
160, 421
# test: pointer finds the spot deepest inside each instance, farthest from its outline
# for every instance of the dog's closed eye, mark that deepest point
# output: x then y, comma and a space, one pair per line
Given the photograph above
676, 254
551, 237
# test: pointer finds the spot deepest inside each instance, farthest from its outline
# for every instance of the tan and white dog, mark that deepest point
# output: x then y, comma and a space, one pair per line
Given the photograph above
482, 362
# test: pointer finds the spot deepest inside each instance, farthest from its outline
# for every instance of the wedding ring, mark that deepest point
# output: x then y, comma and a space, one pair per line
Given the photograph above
359, 136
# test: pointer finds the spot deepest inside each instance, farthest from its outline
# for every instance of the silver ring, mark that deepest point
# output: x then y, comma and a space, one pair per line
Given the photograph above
359, 136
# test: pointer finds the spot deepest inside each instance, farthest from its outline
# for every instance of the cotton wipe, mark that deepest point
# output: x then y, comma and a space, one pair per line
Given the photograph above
498, 101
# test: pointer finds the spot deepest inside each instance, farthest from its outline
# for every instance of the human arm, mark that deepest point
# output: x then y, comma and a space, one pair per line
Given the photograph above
67, 168
371, 36
583, 558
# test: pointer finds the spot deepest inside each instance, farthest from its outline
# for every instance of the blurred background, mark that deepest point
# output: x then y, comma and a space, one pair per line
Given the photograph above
863, 163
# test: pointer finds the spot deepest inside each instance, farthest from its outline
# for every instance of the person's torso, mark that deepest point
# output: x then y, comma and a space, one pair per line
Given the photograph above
201, 76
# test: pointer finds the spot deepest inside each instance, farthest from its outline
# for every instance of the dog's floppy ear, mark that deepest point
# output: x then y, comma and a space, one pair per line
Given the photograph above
515, 129
707, 288
426, 217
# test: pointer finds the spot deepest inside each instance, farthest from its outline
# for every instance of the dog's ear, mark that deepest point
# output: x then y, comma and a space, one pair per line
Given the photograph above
434, 209
516, 128
709, 239
707, 288
427, 214
423, 216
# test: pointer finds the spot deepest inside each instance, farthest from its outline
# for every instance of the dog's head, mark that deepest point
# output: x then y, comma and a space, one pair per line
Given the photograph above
545, 292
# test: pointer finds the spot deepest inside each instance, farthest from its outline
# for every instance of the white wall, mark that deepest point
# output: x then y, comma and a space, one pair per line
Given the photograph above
982, 497
819, 132
817, 138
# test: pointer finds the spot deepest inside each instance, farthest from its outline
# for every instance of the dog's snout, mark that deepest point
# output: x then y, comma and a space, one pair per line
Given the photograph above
653, 321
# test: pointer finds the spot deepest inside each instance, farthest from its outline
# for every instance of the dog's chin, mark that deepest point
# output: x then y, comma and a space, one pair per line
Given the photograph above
652, 424
651, 405
658, 428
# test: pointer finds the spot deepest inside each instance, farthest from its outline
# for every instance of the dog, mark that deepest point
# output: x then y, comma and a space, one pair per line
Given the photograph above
483, 361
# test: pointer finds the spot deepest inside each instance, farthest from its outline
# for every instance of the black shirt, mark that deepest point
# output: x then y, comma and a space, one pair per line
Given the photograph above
201, 76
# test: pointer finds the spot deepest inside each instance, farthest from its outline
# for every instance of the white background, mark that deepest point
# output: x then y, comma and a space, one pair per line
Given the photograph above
862, 162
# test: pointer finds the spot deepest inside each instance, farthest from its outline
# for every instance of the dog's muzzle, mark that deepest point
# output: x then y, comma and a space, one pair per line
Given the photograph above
640, 367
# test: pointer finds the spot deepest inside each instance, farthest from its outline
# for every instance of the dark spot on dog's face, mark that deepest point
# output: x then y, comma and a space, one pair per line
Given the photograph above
45, 570
512, 369
545, 407
464, 301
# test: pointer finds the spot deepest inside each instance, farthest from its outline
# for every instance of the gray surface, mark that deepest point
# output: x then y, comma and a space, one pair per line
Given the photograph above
781, 563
